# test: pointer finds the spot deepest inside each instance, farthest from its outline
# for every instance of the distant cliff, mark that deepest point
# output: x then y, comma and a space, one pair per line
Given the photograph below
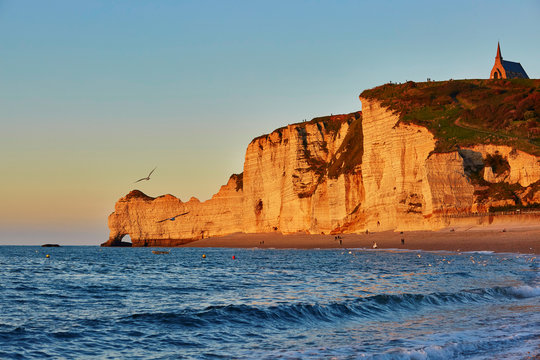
415, 158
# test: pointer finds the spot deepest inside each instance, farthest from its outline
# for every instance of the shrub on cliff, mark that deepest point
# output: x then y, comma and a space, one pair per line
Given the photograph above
498, 164
468, 112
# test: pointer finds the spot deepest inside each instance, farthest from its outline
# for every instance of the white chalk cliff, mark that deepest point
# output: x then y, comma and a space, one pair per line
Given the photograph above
340, 174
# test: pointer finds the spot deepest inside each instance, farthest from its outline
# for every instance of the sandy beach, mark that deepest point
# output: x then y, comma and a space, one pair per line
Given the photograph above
512, 239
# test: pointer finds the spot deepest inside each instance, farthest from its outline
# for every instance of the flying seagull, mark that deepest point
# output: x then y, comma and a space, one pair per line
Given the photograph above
146, 178
173, 218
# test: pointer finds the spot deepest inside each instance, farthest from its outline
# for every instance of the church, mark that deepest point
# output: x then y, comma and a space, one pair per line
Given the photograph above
506, 69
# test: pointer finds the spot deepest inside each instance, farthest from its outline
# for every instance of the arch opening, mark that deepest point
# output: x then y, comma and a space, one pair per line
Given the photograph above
120, 241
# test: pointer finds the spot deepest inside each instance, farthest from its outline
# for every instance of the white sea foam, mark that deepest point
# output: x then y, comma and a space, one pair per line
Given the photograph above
485, 252
433, 352
525, 291
455, 351
508, 347
387, 249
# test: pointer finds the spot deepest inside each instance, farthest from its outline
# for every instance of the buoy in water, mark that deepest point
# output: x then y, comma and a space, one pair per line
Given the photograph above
47, 256
233, 257
204, 256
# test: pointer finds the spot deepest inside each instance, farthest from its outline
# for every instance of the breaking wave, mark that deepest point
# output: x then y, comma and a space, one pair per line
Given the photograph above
372, 307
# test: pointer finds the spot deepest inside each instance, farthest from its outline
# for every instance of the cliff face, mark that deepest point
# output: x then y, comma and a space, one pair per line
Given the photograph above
286, 187
152, 222
394, 168
347, 173
409, 186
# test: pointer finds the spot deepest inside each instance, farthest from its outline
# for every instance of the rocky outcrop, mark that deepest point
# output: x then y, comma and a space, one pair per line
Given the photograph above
167, 221
523, 168
339, 174
286, 186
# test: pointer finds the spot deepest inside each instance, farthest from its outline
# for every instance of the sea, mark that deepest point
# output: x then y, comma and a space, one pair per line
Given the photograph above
87, 302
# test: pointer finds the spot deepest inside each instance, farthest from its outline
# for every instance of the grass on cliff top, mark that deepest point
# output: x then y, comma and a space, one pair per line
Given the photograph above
469, 112
330, 124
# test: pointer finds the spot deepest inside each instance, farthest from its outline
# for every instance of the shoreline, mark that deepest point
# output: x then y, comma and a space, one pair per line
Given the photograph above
509, 239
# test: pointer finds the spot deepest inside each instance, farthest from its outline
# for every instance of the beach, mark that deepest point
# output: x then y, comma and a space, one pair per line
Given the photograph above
523, 239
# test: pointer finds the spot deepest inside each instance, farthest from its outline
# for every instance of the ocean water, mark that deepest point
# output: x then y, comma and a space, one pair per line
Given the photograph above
111, 303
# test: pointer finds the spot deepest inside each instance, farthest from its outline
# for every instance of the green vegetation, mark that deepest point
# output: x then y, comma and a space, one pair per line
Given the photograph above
487, 191
332, 123
499, 165
499, 191
349, 154
459, 113
347, 157
468, 112
316, 165
505, 191
239, 179
328, 124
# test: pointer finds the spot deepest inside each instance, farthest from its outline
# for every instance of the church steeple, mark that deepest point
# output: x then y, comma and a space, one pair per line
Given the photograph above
499, 56
504, 69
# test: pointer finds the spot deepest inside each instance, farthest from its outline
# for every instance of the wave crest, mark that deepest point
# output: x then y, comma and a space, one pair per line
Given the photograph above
375, 306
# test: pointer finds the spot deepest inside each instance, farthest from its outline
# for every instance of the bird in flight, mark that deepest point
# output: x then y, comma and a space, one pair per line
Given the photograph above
146, 178
173, 218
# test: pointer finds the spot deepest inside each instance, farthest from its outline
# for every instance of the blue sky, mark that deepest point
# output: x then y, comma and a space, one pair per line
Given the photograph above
94, 94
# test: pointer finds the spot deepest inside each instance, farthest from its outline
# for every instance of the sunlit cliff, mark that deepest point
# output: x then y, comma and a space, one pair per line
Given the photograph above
419, 156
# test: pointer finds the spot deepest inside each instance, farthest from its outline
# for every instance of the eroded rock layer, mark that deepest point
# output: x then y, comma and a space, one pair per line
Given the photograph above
339, 174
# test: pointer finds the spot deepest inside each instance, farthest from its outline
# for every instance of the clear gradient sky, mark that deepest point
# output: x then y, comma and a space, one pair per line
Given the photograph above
94, 94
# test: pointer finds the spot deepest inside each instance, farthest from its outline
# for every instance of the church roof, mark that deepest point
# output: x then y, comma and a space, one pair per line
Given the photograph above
514, 70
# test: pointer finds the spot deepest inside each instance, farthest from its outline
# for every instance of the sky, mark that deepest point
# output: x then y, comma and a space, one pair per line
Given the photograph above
95, 94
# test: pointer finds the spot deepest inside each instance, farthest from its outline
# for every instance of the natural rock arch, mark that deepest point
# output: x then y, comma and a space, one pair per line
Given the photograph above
117, 241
